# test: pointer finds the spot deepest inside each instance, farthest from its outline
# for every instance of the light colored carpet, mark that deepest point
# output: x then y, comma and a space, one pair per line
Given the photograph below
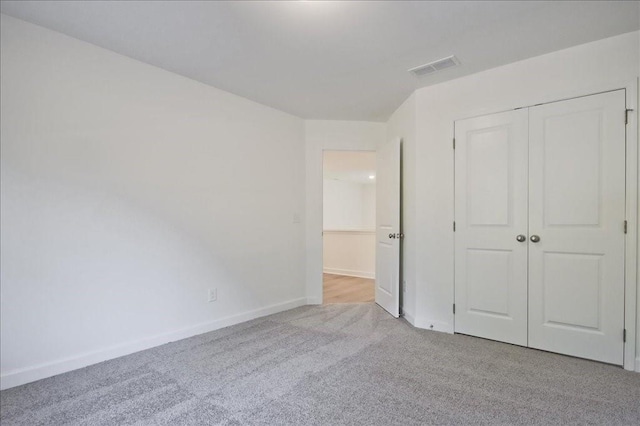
331, 365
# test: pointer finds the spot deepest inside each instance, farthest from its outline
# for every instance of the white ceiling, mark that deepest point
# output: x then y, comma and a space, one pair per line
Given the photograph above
350, 166
329, 60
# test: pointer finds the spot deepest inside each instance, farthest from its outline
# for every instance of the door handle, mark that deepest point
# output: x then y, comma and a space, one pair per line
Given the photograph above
534, 238
520, 238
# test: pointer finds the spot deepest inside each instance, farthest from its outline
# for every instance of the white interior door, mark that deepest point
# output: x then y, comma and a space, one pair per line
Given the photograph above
577, 210
491, 212
388, 227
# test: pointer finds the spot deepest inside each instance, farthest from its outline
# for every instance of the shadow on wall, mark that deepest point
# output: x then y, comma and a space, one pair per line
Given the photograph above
84, 269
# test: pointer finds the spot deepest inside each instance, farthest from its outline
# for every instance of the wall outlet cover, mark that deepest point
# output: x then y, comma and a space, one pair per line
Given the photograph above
213, 295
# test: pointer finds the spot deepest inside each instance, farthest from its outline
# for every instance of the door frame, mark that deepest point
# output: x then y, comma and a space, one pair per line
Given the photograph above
320, 135
631, 359
320, 299
631, 292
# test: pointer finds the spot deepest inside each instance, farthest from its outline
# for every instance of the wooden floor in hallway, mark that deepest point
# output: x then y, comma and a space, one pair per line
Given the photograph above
345, 289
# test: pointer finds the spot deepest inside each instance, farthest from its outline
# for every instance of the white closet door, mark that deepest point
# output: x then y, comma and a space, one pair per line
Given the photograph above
577, 209
491, 211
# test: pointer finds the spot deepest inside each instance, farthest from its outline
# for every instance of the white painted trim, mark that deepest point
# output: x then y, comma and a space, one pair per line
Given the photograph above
425, 323
314, 203
545, 98
349, 273
638, 364
314, 301
631, 264
631, 241
410, 319
37, 372
320, 136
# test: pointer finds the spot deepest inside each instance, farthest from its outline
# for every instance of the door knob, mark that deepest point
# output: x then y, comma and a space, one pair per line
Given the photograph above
520, 238
392, 235
534, 238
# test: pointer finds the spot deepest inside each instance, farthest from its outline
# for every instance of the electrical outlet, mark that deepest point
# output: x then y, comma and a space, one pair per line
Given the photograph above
213, 295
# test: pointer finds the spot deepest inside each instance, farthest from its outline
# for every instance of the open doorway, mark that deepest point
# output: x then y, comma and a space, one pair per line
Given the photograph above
349, 221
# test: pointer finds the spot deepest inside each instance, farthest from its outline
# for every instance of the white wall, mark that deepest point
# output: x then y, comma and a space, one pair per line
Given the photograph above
348, 240
602, 65
127, 192
402, 124
351, 253
348, 205
369, 206
323, 135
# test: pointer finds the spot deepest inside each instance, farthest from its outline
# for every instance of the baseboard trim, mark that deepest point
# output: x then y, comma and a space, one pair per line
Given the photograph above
349, 273
638, 364
314, 301
410, 319
42, 371
428, 324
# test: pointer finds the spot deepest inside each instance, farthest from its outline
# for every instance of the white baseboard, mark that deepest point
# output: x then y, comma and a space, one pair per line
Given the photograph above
427, 324
410, 319
31, 374
349, 273
314, 301
638, 364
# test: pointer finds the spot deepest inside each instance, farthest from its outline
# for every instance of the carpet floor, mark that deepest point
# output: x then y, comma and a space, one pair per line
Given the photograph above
331, 365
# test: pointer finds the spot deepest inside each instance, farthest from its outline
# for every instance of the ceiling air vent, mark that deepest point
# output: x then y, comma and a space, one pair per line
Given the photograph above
435, 66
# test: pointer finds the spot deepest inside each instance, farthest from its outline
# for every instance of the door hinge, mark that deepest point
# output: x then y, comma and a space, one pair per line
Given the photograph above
624, 335
454, 309
625, 226
626, 115
454, 143
454, 226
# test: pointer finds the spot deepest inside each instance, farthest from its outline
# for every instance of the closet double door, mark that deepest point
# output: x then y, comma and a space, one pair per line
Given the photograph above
540, 222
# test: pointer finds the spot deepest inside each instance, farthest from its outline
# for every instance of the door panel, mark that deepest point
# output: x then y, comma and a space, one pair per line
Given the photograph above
570, 280
488, 282
491, 210
388, 223
571, 165
487, 152
577, 208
